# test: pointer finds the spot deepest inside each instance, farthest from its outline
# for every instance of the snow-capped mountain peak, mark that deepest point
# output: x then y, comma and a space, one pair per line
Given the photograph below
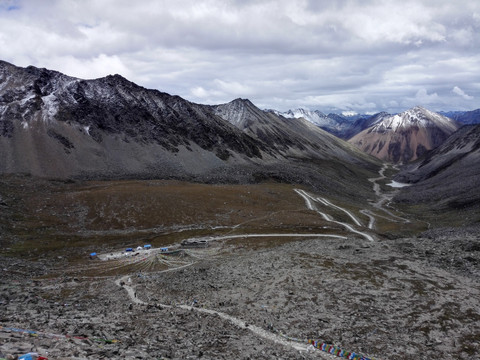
418, 117
406, 136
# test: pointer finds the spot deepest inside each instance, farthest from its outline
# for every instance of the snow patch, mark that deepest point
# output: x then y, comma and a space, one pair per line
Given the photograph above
396, 184
51, 107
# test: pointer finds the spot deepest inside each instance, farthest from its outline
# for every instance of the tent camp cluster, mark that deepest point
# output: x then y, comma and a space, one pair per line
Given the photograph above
139, 248
130, 251
144, 250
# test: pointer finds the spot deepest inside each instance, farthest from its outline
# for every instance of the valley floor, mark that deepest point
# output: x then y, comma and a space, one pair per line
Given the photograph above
283, 266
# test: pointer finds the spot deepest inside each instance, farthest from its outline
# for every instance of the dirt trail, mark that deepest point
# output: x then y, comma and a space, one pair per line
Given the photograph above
383, 198
310, 202
228, 237
371, 218
125, 284
328, 203
122, 282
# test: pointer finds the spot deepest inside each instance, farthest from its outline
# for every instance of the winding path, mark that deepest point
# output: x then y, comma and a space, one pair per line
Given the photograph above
382, 197
310, 202
125, 284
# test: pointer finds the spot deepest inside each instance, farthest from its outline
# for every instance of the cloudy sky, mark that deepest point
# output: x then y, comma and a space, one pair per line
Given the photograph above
332, 55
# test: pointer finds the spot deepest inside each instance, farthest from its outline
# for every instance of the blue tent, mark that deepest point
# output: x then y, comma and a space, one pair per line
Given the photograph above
146, 247
128, 249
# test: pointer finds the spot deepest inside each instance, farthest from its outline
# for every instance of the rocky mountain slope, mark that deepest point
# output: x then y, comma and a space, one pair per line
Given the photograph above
404, 137
53, 125
449, 175
292, 137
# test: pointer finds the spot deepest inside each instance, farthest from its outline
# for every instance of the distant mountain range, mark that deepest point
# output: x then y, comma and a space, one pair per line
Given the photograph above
398, 138
338, 125
464, 117
347, 126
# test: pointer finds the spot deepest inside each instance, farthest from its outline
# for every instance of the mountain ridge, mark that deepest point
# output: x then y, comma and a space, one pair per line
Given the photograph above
52, 125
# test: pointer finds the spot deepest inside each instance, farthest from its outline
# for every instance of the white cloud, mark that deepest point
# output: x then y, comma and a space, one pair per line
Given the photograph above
358, 56
423, 97
89, 68
461, 93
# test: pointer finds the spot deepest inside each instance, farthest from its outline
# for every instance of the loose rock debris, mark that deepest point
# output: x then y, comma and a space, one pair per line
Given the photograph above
376, 299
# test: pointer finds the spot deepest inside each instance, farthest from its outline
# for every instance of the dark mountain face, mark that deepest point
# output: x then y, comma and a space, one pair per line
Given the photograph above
113, 105
448, 176
52, 125
55, 125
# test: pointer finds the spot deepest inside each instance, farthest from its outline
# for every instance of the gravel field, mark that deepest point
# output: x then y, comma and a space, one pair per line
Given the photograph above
392, 299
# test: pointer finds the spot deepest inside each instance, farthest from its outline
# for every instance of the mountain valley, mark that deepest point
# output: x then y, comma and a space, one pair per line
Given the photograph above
266, 231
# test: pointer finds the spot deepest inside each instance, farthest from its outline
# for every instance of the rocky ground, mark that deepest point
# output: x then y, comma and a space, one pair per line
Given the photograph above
412, 298
409, 294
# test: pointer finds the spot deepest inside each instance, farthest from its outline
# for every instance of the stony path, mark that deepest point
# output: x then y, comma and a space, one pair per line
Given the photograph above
277, 339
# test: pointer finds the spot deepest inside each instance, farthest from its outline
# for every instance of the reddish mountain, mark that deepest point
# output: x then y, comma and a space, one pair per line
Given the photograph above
404, 137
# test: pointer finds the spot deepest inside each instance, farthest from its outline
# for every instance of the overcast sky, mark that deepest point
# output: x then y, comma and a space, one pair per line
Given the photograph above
332, 55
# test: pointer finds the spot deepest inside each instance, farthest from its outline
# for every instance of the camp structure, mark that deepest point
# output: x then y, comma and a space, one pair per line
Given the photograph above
128, 249
194, 243
147, 246
170, 251
93, 255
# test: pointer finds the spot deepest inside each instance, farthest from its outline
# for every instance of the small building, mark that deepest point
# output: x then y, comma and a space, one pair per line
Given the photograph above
194, 243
